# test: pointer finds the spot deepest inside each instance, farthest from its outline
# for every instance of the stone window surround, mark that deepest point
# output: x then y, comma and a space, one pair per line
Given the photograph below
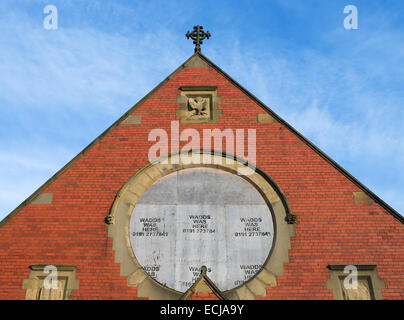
127, 197
364, 270
32, 284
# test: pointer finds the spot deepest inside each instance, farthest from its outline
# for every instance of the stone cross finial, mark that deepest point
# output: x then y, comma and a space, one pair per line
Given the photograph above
198, 34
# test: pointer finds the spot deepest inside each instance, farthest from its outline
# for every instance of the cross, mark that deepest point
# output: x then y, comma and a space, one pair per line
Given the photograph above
198, 34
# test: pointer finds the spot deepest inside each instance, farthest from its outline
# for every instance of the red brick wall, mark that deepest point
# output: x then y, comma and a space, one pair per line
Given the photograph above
332, 228
203, 296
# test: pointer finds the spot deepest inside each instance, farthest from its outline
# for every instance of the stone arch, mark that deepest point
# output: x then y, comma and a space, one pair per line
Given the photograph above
125, 201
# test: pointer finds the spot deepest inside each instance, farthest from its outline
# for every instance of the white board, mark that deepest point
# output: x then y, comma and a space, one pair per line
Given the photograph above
201, 216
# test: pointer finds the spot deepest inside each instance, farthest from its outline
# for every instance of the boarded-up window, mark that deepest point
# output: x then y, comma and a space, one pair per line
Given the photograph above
363, 290
55, 292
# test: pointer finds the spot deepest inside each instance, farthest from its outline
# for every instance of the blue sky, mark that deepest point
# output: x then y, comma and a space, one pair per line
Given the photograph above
342, 89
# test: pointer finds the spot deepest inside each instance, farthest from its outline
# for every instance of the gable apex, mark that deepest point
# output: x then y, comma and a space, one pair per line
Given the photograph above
196, 62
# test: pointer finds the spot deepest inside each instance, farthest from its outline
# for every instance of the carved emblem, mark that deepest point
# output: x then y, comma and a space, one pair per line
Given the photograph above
198, 108
199, 104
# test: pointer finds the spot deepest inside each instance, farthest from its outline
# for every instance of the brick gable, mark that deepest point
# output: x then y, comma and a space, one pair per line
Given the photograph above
332, 228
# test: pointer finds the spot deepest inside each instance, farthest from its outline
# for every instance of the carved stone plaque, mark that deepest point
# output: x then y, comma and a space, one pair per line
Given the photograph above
201, 216
199, 105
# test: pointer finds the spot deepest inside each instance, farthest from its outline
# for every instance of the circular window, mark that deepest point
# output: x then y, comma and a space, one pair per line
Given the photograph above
201, 216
